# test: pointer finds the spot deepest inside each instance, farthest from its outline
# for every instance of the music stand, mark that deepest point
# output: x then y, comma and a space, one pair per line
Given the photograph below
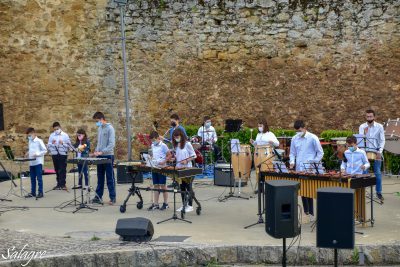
11, 191
233, 126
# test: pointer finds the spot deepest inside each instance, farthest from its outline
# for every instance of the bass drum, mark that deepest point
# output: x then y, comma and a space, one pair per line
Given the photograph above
392, 136
199, 157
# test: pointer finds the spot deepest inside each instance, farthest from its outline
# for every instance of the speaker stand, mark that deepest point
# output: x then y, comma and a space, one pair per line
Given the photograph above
261, 187
284, 253
335, 257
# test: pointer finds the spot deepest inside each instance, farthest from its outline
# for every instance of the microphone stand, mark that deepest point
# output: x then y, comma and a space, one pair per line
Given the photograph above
261, 184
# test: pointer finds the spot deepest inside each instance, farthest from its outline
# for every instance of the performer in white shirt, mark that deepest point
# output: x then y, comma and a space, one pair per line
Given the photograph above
264, 136
37, 150
375, 142
59, 144
184, 155
305, 148
209, 136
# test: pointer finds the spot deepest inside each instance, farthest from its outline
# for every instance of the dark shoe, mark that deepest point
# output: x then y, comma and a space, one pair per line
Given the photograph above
96, 200
64, 188
56, 187
153, 207
112, 201
30, 195
164, 206
40, 195
77, 187
380, 197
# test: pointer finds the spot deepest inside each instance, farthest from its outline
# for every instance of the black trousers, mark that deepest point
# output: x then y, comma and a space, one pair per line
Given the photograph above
60, 166
308, 205
185, 186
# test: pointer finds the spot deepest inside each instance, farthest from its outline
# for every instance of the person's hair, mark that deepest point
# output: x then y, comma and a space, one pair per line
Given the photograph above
154, 134
81, 131
30, 130
370, 111
265, 124
299, 124
174, 116
56, 124
98, 116
351, 140
206, 118
179, 132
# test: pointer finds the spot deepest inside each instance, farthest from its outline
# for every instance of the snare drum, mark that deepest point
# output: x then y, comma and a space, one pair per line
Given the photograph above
263, 155
371, 155
241, 162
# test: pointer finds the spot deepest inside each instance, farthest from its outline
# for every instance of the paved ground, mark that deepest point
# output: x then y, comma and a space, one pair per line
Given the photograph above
219, 223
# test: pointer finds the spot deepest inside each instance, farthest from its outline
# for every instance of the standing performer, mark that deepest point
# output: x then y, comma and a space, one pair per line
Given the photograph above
105, 149
264, 136
160, 152
375, 141
175, 124
37, 150
58, 146
82, 143
355, 160
209, 136
305, 148
184, 154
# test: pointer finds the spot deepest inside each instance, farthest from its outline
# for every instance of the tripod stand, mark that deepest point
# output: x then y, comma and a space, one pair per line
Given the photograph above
13, 184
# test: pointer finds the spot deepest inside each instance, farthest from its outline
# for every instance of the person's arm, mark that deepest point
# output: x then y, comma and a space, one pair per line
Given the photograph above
381, 139
318, 149
361, 129
190, 149
293, 152
111, 141
274, 140
87, 149
215, 137
184, 131
365, 161
43, 149
343, 166
199, 131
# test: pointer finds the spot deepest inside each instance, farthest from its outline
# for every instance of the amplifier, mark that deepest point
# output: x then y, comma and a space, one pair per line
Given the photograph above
223, 175
125, 178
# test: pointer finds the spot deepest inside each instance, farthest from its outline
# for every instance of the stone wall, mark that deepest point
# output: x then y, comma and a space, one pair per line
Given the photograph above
324, 61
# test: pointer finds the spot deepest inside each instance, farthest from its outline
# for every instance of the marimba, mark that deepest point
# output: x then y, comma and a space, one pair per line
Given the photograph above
169, 171
309, 183
89, 161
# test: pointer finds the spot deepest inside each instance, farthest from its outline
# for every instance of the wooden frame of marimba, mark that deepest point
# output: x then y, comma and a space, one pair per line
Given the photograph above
309, 183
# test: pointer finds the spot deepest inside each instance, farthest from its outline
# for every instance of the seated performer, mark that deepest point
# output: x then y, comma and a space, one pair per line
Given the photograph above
159, 159
82, 144
209, 136
264, 136
305, 148
184, 154
355, 160
37, 150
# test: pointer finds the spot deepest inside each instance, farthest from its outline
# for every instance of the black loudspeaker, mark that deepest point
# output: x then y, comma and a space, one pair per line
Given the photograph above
135, 229
335, 218
1, 118
5, 176
281, 212
123, 177
223, 176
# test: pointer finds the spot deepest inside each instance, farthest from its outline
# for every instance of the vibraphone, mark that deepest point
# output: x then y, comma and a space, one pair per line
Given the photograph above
174, 173
309, 183
89, 161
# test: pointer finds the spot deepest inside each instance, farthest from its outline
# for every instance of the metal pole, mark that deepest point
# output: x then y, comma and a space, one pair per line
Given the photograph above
128, 122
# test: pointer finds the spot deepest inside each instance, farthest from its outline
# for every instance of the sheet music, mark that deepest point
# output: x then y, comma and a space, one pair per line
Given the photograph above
365, 142
280, 167
314, 167
235, 146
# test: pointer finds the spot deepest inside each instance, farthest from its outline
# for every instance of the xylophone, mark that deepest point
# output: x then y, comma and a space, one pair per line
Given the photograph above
168, 171
309, 183
89, 161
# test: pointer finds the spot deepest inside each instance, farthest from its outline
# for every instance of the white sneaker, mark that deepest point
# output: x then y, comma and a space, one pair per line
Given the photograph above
312, 218
188, 208
180, 209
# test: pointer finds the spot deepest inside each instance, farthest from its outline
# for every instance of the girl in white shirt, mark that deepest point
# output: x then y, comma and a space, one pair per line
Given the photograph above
264, 136
184, 155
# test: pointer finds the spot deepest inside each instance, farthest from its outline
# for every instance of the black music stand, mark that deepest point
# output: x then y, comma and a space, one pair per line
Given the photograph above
261, 202
12, 184
74, 150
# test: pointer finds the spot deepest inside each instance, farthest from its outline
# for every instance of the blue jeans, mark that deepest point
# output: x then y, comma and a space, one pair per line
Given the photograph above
108, 171
36, 173
84, 172
378, 174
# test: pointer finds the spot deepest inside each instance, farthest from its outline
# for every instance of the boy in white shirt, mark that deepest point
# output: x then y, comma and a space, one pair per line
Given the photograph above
160, 152
37, 150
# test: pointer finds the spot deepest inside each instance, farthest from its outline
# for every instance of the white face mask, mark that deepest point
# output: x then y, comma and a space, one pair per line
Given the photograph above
261, 129
177, 139
58, 131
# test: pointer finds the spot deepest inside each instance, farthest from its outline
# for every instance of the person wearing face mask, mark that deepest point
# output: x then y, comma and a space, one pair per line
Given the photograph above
264, 136
175, 124
355, 160
159, 159
82, 144
184, 155
209, 136
305, 148
105, 149
375, 142
36, 150
58, 145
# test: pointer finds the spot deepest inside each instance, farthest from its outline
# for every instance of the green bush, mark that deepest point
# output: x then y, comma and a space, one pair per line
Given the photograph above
329, 134
392, 162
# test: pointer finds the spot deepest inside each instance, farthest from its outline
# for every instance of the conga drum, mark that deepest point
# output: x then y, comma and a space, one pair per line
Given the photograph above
263, 155
241, 163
